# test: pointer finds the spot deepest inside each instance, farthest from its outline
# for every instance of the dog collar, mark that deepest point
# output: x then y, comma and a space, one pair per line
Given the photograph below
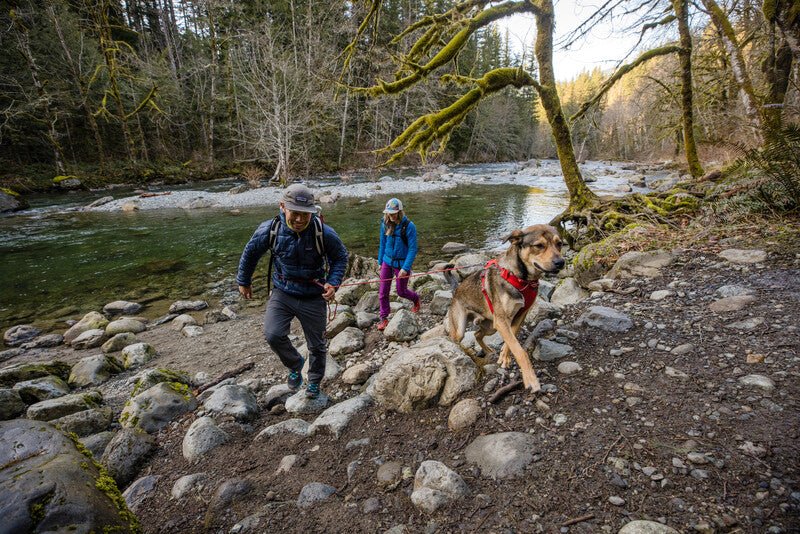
528, 288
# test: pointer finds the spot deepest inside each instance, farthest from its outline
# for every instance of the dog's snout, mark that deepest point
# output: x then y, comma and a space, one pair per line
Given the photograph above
558, 263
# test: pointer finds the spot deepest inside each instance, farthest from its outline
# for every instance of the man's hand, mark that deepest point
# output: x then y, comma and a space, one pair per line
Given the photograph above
246, 292
403, 273
328, 292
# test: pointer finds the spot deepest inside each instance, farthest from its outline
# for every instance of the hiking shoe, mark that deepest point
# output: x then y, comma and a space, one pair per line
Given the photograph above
383, 324
295, 379
312, 391
415, 307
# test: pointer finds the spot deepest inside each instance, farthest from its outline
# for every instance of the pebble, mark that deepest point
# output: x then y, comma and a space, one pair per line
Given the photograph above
616, 500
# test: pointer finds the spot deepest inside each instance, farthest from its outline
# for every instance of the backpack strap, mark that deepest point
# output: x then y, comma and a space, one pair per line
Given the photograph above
274, 228
403, 231
319, 240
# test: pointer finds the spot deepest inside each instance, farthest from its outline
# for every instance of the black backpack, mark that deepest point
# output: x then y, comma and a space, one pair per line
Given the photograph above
319, 242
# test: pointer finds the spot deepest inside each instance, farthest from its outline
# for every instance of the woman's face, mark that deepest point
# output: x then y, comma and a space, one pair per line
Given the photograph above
394, 217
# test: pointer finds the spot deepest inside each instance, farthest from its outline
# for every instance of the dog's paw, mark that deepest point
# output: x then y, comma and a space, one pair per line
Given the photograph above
531, 383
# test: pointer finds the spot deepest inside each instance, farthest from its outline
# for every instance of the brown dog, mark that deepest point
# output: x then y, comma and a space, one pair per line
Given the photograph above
491, 297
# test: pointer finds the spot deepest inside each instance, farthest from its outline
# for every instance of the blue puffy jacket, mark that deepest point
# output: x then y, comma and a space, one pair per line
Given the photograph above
296, 262
393, 251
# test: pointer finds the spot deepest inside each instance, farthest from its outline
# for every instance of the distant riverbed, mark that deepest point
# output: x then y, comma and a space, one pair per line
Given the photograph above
60, 262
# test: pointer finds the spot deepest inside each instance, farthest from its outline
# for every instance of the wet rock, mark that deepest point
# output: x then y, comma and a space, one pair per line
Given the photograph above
436, 485
182, 306
122, 307
11, 201
46, 462
126, 453
350, 340
203, 436
19, 334
503, 455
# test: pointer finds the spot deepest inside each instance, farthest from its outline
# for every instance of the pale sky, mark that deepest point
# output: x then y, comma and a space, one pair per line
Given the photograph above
603, 47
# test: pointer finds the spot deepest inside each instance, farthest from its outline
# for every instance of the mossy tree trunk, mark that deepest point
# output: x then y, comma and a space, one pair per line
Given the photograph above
687, 100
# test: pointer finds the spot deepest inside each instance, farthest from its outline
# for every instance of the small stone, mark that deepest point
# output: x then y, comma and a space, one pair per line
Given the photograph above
616, 501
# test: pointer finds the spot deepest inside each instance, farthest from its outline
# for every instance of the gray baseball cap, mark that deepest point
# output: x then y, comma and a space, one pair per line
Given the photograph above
298, 197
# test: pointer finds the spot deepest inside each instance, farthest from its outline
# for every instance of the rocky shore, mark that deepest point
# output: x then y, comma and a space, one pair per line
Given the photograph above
669, 404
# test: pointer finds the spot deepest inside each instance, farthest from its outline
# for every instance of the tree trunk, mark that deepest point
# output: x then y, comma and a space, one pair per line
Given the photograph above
687, 101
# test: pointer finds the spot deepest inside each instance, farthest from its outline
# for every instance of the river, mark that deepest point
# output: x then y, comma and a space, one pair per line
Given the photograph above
59, 262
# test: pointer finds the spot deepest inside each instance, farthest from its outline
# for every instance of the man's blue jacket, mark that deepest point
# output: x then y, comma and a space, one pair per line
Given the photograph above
296, 262
393, 250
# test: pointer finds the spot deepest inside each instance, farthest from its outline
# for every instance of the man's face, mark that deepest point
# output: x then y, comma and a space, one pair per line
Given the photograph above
297, 220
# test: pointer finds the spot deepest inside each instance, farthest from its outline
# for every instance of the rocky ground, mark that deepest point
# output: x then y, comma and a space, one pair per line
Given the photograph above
686, 417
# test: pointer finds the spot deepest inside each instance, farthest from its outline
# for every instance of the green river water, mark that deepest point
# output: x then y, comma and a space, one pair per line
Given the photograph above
58, 265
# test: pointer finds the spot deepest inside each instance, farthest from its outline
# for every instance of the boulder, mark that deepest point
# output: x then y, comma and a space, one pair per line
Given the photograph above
402, 327
11, 201
122, 307
182, 306
183, 320
369, 302
203, 435
125, 324
336, 418
44, 342
640, 264
150, 377
743, 256
19, 334
55, 485
153, 409
358, 373
299, 403
11, 404
68, 404
441, 302
139, 491
365, 319
350, 294
93, 370
118, 342
86, 422
234, 400
607, 319
40, 389
436, 485
568, 292
138, 354
349, 340
27, 371
90, 321
339, 323
435, 371
295, 427
503, 455
125, 454
89, 339
452, 247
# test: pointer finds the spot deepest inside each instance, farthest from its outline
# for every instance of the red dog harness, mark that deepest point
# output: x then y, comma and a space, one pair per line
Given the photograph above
528, 288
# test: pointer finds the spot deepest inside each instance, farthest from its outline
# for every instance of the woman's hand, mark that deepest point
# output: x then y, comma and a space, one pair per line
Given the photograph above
328, 292
402, 274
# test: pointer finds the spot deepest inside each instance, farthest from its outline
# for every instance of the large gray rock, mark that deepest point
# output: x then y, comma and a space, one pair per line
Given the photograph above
66, 405
137, 354
122, 307
136, 494
125, 324
89, 339
336, 418
369, 302
467, 264
150, 377
452, 247
26, 371
436, 485
548, 351
234, 400
349, 340
90, 321
182, 321
19, 334
604, 318
743, 256
125, 454
402, 327
204, 435
50, 484
294, 427
640, 264
39, 389
153, 409
441, 302
314, 493
93, 370
503, 455
86, 422
11, 404
181, 306
568, 292
298, 403
11, 201
339, 323
358, 373
435, 371
97, 443
118, 342
350, 294
189, 484
44, 342
332, 367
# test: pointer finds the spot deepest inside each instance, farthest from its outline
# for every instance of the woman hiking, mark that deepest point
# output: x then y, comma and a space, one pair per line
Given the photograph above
396, 253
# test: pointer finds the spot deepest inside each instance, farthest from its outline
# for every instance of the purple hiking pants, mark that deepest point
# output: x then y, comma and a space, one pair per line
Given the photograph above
387, 273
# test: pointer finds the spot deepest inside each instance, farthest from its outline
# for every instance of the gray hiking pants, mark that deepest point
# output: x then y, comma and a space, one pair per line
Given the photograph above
312, 314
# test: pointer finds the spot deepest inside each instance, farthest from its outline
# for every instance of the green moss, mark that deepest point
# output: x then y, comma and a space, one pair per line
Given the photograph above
182, 389
681, 202
8, 191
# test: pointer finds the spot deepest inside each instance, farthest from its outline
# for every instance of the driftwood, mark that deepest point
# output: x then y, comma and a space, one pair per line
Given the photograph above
226, 375
148, 195
503, 391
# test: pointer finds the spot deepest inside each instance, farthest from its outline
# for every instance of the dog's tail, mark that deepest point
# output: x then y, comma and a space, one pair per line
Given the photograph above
451, 278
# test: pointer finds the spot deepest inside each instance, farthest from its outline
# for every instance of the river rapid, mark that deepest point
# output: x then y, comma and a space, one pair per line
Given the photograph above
61, 260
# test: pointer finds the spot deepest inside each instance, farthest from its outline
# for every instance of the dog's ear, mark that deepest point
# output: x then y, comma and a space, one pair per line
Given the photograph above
514, 237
